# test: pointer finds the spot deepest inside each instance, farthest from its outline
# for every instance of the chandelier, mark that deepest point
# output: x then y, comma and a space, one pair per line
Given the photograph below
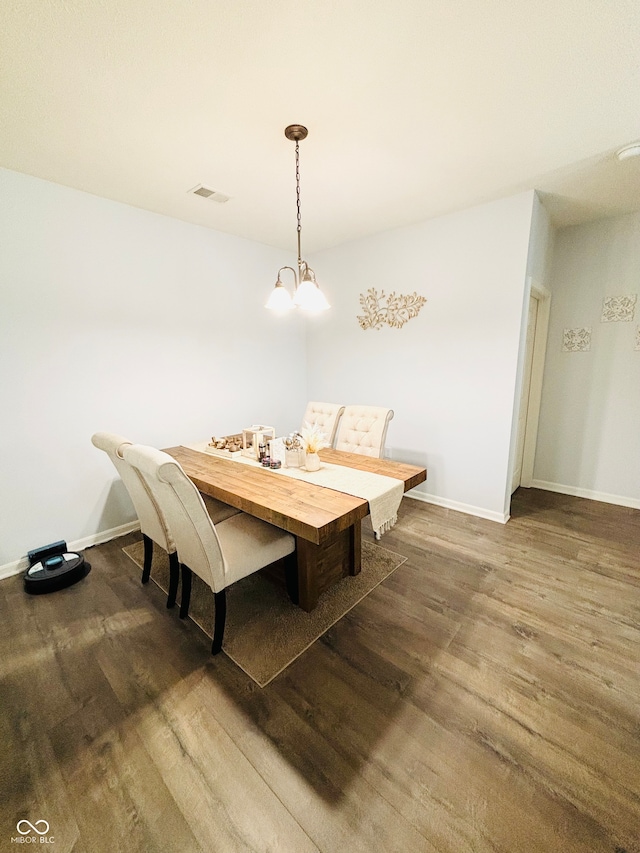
306, 294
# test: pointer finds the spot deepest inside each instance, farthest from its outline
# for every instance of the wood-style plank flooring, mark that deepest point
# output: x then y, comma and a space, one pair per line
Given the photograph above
486, 697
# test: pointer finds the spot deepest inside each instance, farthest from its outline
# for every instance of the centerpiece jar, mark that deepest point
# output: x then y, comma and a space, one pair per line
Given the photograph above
313, 440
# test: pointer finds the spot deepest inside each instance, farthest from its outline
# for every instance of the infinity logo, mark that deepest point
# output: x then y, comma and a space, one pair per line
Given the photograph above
32, 828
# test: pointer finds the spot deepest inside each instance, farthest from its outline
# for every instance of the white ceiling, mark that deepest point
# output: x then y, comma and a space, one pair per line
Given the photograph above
415, 108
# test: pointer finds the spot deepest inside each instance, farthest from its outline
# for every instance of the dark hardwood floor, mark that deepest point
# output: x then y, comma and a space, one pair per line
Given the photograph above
486, 697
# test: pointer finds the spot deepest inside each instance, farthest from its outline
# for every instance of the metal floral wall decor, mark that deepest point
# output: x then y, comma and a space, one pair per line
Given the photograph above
393, 309
576, 340
618, 309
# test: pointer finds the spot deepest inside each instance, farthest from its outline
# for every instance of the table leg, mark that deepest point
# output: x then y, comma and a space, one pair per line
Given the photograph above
355, 548
321, 566
308, 554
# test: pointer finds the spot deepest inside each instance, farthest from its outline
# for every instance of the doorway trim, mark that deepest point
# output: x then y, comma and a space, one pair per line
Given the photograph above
543, 296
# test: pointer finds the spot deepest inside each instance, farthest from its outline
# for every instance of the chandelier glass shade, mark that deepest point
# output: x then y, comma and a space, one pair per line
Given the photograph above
307, 296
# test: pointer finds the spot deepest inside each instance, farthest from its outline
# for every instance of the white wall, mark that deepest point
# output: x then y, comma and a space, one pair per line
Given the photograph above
450, 374
588, 438
541, 242
113, 318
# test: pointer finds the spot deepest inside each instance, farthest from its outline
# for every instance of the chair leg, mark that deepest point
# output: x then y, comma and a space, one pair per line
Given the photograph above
185, 600
148, 557
221, 615
174, 577
291, 576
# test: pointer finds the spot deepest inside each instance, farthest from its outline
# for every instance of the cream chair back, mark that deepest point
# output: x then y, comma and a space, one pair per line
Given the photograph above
184, 509
326, 416
363, 429
237, 546
152, 522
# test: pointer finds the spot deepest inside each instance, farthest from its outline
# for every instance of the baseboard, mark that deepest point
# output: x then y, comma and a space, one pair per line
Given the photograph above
576, 492
19, 566
468, 509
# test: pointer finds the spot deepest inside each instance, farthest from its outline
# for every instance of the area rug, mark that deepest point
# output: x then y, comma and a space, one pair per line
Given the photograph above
264, 631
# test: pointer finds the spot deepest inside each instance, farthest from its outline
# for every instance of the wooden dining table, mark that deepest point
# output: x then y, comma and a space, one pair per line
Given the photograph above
326, 523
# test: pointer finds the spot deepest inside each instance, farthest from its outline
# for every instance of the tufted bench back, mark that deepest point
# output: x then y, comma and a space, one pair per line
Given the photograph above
326, 416
363, 429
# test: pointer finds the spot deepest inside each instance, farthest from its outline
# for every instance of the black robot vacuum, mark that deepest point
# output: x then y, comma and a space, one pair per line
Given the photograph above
52, 568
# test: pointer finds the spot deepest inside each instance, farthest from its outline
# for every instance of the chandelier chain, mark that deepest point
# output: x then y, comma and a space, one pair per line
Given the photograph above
299, 216
298, 185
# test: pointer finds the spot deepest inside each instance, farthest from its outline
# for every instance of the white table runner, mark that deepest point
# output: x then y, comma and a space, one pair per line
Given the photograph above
382, 493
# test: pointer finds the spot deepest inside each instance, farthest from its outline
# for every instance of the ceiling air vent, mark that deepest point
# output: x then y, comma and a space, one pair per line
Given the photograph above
207, 192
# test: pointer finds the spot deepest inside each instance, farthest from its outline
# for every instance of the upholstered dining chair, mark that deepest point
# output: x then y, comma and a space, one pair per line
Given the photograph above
153, 525
363, 429
219, 553
326, 416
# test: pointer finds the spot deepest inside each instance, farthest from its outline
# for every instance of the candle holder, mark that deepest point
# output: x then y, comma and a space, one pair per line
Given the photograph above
253, 437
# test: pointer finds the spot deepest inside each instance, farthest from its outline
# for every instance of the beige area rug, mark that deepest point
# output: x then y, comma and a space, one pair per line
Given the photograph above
264, 631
